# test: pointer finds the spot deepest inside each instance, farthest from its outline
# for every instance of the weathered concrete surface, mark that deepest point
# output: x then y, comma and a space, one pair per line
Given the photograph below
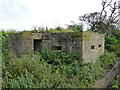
78, 42
104, 82
22, 42
92, 40
15, 43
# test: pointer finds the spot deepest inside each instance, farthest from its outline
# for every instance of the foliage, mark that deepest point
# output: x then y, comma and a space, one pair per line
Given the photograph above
59, 30
22, 81
51, 30
90, 19
117, 82
112, 44
75, 27
50, 69
104, 21
108, 60
5, 51
70, 28
116, 33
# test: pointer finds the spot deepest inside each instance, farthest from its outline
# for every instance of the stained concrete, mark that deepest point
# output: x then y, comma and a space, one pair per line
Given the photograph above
93, 46
88, 45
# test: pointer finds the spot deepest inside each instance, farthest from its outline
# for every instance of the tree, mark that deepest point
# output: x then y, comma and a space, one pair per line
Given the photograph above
75, 27
105, 20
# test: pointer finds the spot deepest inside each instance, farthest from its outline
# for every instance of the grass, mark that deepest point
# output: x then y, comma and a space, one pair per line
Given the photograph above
55, 71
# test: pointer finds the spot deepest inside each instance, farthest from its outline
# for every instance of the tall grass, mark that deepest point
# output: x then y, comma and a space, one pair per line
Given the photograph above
31, 71
50, 69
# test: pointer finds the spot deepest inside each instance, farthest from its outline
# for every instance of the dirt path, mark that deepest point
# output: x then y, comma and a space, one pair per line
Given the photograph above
104, 82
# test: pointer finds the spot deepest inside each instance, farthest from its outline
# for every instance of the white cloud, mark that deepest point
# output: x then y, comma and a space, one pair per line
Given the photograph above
24, 14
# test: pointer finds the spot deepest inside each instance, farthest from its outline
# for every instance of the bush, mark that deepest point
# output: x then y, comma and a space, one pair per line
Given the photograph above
116, 83
5, 52
51, 30
116, 33
76, 27
112, 44
51, 69
23, 81
108, 60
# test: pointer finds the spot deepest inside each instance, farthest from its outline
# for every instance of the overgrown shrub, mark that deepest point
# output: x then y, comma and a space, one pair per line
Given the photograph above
53, 70
116, 33
108, 60
116, 83
51, 30
75, 27
112, 44
5, 52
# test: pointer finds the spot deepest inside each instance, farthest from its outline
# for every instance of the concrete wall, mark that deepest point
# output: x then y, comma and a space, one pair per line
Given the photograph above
15, 43
28, 40
27, 43
67, 42
93, 46
22, 43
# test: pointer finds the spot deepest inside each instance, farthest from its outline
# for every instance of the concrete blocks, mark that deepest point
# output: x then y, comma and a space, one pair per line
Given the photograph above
88, 45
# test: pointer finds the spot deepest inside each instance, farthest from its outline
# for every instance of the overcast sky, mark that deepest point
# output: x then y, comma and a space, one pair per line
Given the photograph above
24, 14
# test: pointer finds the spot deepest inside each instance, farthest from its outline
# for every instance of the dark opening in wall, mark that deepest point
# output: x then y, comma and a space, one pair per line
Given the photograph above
99, 45
56, 47
37, 45
93, 47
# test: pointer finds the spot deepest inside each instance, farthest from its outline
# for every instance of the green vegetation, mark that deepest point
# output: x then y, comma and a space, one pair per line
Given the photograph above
116, 82
51, 30
51, 69
75, 27
112, 44
5, 51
